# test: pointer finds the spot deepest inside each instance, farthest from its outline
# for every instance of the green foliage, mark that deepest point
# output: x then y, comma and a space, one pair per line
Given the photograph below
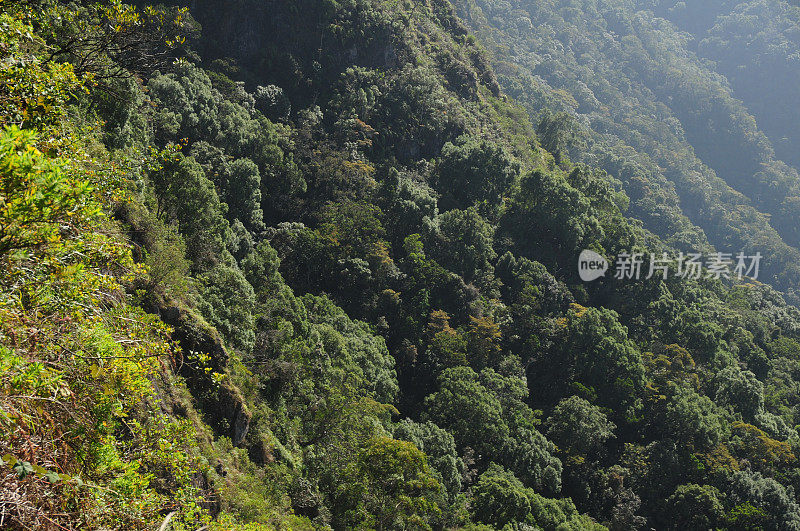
354, 226
474, 172
439, 446
356, 348
393, 486
578, 427
501, 499
187, 198
411, 201
366, 255
468, 410
189, 108
694, 418
696, 507
227, 302
419, 115
115, 40
761, 500
485, 412
649, 107
272, 101
550, 218
38, 196
162, 250
243, 193
555, 131
462, 242
33, 91
88, 355
593, 349
741, 390
447, 348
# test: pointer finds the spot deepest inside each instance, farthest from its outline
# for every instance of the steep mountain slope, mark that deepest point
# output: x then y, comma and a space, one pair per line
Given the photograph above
754, 44
325, 277
655, 116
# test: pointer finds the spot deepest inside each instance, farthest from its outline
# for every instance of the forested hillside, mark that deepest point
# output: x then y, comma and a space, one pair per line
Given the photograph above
638, 96
311, 264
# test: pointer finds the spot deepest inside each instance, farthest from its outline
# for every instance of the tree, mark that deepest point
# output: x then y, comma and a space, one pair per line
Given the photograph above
549, 219
462, 242
119, 40
773, 506
272, 101
591, 348
579, 427
188, 108
532, 458
34, 91
463, 406
693, 418
227, 301
447, 348
766, 455
410, 204
242, 193
38, 196
260, 268
390, 486
185, 196
555, 131
474, 172
487, 413
354, 347
355, 227
440, 448
499, 499
694, 506
528, 283
418, 115
483, 342
740, 390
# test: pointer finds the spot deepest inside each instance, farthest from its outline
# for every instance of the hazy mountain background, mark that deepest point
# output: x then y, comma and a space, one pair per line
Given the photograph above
690, 105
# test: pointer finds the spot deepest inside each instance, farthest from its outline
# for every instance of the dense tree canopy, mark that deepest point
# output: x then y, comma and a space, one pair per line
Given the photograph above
312, 265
